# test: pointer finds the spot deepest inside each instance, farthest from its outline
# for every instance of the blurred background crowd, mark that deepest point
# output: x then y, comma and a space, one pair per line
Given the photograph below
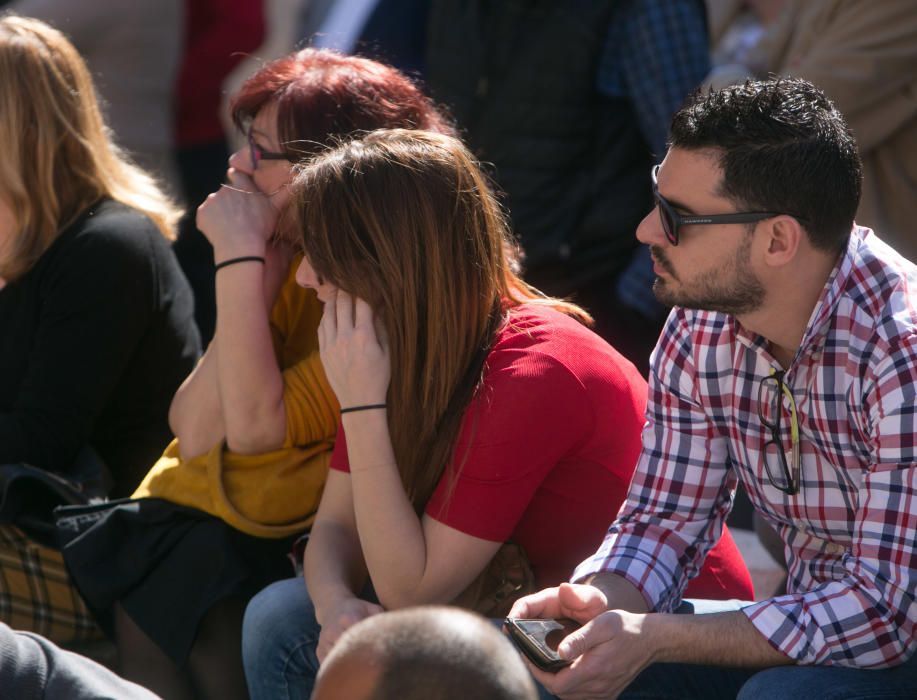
567, 103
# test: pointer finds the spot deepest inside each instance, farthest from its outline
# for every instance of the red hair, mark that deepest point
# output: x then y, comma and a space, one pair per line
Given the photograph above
323, 96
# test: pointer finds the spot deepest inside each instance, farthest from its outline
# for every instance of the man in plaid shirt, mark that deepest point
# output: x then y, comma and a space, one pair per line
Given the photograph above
789, 363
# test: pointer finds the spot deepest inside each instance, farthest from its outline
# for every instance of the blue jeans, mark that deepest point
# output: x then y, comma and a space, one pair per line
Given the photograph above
694, 682
279, 639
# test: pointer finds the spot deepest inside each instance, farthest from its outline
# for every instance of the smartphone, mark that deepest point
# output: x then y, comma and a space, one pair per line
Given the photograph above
538, 640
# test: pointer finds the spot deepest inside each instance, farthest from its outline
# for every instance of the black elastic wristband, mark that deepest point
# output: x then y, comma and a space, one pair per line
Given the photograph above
233, 261
368, 407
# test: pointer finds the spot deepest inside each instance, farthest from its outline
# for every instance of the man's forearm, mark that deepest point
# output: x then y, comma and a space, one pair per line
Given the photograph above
620, 593
719, 639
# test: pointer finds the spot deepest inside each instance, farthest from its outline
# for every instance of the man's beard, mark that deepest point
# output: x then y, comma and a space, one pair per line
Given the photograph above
733, 290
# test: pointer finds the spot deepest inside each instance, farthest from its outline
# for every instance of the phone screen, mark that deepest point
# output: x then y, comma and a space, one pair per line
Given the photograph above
539, 639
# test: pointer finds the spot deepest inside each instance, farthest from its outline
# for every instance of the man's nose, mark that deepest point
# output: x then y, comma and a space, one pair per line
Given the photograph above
650, 231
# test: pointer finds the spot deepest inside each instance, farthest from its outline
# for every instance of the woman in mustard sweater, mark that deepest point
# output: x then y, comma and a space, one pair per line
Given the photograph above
169, 572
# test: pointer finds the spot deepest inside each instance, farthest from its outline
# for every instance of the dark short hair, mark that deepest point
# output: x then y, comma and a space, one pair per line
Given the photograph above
784, 147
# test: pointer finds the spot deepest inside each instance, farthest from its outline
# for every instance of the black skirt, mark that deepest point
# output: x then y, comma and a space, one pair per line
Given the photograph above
165, 564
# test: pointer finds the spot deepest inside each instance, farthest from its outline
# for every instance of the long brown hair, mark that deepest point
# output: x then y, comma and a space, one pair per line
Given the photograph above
58, 157
407, 221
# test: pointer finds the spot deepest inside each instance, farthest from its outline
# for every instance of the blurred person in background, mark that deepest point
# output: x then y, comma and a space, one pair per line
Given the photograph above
863, 55
736, 27
218, 34
133, 50
393, 31
571, 102
96, 317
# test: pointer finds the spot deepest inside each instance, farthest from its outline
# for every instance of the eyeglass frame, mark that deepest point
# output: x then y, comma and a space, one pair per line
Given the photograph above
677, 220
792, 477
258, 154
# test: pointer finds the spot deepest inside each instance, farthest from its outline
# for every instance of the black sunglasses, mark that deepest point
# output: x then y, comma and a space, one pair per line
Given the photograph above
672, 220
771, 393
258, 154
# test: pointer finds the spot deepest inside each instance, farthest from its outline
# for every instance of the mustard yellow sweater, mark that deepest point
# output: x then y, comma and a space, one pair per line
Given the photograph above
274, 494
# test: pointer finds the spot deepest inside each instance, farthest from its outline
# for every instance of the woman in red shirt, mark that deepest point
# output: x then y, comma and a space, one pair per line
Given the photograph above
475, 411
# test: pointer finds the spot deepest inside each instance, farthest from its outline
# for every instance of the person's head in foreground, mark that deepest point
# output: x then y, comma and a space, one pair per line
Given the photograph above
58, 157
759, 180
424, 653
407, 222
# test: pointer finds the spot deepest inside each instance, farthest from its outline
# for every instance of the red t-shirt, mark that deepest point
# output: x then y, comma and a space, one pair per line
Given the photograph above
549, 444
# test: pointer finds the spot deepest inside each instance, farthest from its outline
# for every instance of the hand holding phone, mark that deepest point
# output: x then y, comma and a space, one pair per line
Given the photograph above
538, 640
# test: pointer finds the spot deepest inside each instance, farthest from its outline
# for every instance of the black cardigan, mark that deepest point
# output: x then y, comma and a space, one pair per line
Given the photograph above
94, 341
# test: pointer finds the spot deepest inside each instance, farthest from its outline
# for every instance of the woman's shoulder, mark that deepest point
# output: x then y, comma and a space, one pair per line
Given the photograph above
110, 220
539, 327
541, 337
108, 232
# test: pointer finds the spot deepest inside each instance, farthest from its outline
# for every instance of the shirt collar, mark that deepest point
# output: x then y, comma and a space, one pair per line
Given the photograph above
825, 308
835, 287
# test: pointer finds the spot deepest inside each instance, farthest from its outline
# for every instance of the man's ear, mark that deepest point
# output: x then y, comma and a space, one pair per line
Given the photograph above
784, 236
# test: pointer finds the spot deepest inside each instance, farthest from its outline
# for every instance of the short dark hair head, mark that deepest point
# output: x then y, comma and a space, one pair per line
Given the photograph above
784, 147
437, 653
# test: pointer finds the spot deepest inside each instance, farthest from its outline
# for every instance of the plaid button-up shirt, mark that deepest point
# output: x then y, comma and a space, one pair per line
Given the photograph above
851, 531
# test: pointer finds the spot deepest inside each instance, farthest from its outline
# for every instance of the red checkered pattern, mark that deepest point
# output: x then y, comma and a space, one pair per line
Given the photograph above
851, 531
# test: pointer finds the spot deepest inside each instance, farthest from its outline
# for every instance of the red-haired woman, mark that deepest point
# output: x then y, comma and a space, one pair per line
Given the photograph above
169, 572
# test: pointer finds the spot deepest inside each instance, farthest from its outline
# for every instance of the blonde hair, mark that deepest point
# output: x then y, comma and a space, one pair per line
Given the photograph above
58, 155
407, 221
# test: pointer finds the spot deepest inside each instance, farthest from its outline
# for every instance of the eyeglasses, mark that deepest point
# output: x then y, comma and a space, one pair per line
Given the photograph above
771, 393
672, 220
258, 154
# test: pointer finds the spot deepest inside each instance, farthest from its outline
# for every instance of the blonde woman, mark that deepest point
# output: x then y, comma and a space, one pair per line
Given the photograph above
96, 318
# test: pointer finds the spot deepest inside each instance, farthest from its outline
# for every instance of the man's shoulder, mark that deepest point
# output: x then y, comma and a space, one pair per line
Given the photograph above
881, 293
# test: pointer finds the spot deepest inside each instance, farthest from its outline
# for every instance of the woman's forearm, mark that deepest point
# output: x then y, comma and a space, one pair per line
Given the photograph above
333, 566
390, 532
250, 382
195, 415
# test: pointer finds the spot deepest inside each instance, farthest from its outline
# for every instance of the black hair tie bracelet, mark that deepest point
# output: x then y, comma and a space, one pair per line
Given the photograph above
368, 407
233, 261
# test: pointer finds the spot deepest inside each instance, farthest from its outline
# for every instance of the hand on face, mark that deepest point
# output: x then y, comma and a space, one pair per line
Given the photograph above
237, 219
344, 615
354, 351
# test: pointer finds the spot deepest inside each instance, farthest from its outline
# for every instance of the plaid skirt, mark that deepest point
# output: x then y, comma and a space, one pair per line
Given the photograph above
36, 593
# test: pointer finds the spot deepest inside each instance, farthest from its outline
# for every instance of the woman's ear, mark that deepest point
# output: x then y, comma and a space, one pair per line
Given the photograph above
784, 236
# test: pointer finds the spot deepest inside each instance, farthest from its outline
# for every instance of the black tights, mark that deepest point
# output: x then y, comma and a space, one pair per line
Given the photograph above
214, 668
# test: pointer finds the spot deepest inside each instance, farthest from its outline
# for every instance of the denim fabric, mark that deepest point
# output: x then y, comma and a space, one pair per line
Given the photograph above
279, 639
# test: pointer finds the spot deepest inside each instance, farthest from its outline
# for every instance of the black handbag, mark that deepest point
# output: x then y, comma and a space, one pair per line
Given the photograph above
29, 495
